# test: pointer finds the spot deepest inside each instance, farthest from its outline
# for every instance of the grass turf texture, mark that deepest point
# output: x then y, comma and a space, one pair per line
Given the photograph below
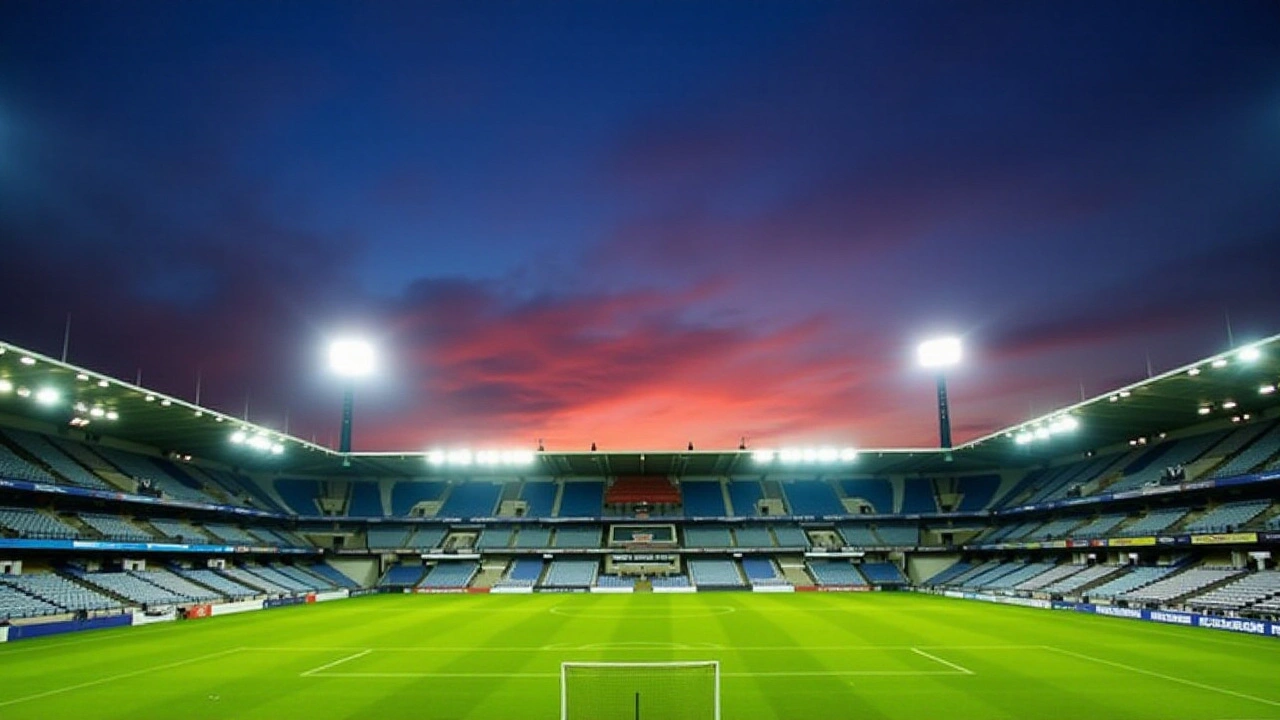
883, 655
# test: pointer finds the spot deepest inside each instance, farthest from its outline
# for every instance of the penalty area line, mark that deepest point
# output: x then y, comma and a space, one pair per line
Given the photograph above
1162, 676
121, 676
937, 659
335, 663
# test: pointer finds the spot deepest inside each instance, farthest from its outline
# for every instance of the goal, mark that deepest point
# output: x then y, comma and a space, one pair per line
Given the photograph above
640, 690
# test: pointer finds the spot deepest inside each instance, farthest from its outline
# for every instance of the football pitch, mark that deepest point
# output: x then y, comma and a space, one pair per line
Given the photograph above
792, 656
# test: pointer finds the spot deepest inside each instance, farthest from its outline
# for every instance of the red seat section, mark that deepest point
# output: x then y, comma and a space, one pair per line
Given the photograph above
637, 489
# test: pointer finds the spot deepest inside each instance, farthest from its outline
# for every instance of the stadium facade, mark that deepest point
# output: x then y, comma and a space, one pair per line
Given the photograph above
120, 505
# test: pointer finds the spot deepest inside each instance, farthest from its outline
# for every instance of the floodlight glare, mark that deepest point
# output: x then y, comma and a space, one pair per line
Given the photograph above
351, 358
1249, 354
940, 352
48, 396
6, 386
762, 456
1266, 389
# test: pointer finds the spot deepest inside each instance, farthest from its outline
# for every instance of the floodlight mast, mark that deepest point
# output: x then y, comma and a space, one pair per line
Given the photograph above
349, 359
938, 355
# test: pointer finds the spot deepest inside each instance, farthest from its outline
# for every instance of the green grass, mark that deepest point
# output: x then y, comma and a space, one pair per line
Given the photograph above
884, 655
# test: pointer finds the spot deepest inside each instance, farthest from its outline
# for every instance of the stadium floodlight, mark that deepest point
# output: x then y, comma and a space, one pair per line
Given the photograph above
1249, 354
1267, 389
48, 396
762, 456
1193, 371
27, 360
938, 355
1219, 363
350, 358
5, 386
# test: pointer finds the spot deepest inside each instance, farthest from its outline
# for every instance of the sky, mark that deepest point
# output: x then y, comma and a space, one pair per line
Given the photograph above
639, 224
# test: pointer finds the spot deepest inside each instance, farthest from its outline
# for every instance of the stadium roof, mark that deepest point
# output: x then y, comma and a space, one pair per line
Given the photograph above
42, 391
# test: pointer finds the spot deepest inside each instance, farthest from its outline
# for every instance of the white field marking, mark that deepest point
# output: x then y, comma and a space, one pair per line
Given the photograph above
937, 659
515, 676
680, 647
335, 663
1162, 676
121, 676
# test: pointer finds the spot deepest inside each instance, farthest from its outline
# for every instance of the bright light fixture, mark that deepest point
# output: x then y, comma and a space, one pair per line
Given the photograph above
1229, 405
351, 358
6, 386
1220, 363
1266, 389
48, 396
238, 437
1249, 354
1204, 410
762, 456
940, 352
27, 360
1193, 371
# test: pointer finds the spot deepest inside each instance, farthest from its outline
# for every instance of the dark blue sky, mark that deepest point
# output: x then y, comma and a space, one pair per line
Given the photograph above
639, 223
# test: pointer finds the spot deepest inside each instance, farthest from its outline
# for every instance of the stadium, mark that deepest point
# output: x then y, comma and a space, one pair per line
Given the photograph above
1111, 558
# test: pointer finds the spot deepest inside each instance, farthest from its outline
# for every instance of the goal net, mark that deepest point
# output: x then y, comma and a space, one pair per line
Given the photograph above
640, 691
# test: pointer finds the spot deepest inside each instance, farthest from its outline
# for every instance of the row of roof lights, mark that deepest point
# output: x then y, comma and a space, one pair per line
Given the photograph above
47, 396
1246, 355
1044, 431
257, 441
805, 456
487, 458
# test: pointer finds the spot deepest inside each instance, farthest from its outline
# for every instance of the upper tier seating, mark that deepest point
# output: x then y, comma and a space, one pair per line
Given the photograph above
142, 468
918, 496
1228, 517
1151, 466
1154, 522
14, 467
901, 535
177, 530
1099, 527
115, 528
230, 534
34, 524
494, 537
703, 499
472, 499
744, 494
877, 491
529, 536
62, 464
407, 493
299, 495
707, 537
754, 536
387, 537
977, 492
582, 499
425, 538
858, 535
812, 497
790, 536
1252, 456
365, 500
637, 489
578, 537
540, 498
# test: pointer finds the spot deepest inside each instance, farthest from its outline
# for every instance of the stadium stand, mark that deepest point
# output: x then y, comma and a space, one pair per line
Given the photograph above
1252, 456
754, 536
1049, 577
1149, 468
365, 500
578, 537
571, 574
406, 494
812, 497
1099, 527
898, 535
707, 537
714, 573
336, 578
402, 576
524, 572
1008, 581
977, 492
227, 587
230, 534
1076, 581
1228, 517
835, 572
177, 530
790, 536
949, 575
582, 499
703, 499
61, 464
15, 604
1239, 594
246, 575
670, 581
1180, 585
858, 535
472, 499
494, 537
1134, 579
918, 496
877, 492
132, 588
540, 498
114, 528
29, 523
762, 571
529, 536
299, 495
14, 467
141, 468
744, 494
450, 575
61, 592
642, 489
176, 584
425, 538
615, 581
883, 573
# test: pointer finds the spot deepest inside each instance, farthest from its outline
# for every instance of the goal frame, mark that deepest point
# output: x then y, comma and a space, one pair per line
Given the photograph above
564, 677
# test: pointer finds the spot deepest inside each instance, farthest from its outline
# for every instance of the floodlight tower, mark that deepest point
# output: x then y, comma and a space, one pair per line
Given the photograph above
938, 355
349, 359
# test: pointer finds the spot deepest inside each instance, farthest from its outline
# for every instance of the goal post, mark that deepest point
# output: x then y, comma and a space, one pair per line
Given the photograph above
640, 690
